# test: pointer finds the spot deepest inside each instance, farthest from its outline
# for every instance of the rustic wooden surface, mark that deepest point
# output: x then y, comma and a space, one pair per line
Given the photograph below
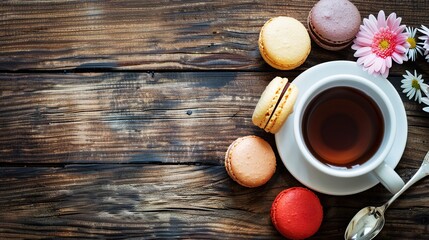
115, 117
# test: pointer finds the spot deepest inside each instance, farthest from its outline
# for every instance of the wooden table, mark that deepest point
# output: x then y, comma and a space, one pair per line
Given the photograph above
115, 117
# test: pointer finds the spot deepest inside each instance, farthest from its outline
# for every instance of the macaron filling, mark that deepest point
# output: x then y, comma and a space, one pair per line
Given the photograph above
326, 42
277, 104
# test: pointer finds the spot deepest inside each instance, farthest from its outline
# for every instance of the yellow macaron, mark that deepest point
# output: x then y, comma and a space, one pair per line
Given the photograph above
284, 43
275, 105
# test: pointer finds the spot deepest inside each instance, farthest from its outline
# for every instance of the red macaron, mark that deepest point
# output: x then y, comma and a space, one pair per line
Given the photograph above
297, 213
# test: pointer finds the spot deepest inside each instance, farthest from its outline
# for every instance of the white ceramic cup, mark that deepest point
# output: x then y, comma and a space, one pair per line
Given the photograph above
376, 165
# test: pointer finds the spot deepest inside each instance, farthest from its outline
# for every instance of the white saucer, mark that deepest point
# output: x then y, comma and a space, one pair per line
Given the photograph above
306, 173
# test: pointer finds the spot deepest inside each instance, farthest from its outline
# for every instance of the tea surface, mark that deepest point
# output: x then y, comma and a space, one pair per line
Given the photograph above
343, 127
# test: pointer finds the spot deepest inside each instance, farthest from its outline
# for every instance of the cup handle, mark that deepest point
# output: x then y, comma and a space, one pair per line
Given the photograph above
388, 177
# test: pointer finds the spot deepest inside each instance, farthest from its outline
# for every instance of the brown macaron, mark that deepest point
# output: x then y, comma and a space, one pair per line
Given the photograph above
275, 105
250, 161
333, 24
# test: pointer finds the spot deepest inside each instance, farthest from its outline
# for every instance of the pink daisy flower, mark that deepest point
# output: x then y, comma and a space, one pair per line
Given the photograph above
379, 41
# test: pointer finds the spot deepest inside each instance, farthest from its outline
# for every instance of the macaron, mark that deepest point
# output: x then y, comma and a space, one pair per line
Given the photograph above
250, 161
275, 105
333, 24
284, 43
297, 213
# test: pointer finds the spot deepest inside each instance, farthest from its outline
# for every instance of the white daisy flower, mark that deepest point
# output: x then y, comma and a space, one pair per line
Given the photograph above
413, 85
425, 39
414, 48
425, 89
425, 100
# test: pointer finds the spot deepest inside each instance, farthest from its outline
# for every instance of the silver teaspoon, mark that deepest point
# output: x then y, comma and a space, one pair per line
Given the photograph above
369, 221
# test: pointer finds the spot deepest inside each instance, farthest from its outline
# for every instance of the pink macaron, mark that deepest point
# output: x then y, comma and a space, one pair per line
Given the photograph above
333, 24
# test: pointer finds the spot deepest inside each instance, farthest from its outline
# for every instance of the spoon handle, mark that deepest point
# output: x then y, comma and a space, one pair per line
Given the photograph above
421, 173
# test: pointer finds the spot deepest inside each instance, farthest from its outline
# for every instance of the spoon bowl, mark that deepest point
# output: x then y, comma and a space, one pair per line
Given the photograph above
369, 221
366, 224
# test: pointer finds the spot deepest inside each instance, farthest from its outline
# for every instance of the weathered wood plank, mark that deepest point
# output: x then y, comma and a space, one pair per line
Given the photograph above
125, 117
178, 124
166, 117
156, 201
154, 35
133, 201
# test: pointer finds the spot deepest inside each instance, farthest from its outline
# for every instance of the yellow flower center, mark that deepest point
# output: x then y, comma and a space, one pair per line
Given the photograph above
384, 44
412, 42
415, 84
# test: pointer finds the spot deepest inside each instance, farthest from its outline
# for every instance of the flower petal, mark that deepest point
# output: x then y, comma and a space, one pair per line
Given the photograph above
363, 51
425, 88
404, 81
385, 74
371, 23
369, 60
418, 97
410, 94
363, 41
365, 35
405, 89
355, 46
378, 64
400, 29
400, 49
409, 74
360, 60
392, 21
388, 62
381, 19
397, 58
424, 30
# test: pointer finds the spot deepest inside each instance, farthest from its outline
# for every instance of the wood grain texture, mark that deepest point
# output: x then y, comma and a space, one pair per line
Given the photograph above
155, 201
154, 35
129, 140
125, 117
169, 117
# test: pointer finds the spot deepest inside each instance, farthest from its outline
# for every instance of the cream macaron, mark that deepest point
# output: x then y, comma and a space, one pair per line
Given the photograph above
275, 105
284, 43
250, 161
